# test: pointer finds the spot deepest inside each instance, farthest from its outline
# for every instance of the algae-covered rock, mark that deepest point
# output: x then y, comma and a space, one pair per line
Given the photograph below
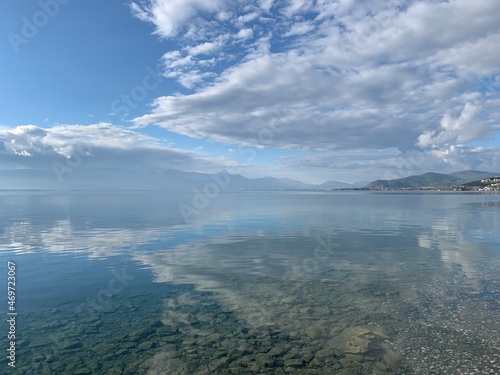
316, 332
278, 350
294, 362
352, 371
147, 345
217, 364
324, 353
321, 311
71, 345
359, 339
83, 371
264, 360
354, 357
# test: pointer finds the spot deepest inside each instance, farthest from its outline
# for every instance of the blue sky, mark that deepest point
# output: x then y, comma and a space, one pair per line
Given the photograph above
313, 90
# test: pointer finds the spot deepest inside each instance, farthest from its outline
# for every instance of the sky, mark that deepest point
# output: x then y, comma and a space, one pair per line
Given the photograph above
315, 90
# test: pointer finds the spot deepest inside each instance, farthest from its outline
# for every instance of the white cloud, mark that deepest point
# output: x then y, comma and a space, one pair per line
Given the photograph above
342, 111
346, 76
294, 6
192, 78
224, 16
245, 34
467, 127
249, 17
170, 16
203, 48
300, 28
266, 4
98, 145
173, 60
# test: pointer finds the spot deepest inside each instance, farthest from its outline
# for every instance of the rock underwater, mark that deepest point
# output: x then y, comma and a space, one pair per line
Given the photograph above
360, 339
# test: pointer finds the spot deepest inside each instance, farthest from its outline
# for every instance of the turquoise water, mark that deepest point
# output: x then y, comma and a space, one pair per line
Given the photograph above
252, 283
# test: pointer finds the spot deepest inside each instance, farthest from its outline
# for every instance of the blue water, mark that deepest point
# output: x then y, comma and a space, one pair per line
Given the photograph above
253, 282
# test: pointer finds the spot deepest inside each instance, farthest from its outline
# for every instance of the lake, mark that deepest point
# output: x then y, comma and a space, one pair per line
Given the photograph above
251, 282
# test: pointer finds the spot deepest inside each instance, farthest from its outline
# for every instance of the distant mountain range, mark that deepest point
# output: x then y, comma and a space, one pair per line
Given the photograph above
120, 179
175, 180
329, 185
435, 180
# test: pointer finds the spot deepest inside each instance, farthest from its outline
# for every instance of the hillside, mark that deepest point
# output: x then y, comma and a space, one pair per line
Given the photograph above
488, 184
430, 179
328, 185
175, 180
124, 179
472, 175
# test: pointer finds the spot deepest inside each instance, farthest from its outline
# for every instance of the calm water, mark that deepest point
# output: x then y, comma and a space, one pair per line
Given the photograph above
253, 283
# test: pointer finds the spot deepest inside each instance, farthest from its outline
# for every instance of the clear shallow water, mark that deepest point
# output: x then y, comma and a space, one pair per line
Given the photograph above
256, 282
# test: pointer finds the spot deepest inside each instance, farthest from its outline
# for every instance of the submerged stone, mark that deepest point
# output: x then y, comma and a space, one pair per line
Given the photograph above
316, 332
147, 345
321, 311
264, 360
294, 362
359, 339
278, 350
71, 345
354, 357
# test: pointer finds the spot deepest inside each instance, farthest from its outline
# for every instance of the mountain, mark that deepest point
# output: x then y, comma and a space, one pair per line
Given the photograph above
87, 179
122, 179
430, 179
472, 175
238, 182
175, 180
359, 184
331, 185
328, 185
485, 184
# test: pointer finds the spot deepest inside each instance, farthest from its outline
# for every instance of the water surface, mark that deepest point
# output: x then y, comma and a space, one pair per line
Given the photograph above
254, 282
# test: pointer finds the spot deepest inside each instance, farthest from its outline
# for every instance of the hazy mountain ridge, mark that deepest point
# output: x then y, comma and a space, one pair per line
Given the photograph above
176, 180
334, 185
123, 179
430, 179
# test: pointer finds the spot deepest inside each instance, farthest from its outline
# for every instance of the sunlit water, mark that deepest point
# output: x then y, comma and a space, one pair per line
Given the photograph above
253, 283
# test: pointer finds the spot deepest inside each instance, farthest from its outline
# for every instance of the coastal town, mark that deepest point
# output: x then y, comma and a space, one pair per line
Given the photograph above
439, 182
486, 184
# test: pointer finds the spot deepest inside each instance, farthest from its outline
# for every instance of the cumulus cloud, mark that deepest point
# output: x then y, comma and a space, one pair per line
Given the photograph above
170, 16
245, 34
467, 127
346, 111
203, 48
97, 145
300, 28
248, 17
330, 77
374, 76
295, 6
